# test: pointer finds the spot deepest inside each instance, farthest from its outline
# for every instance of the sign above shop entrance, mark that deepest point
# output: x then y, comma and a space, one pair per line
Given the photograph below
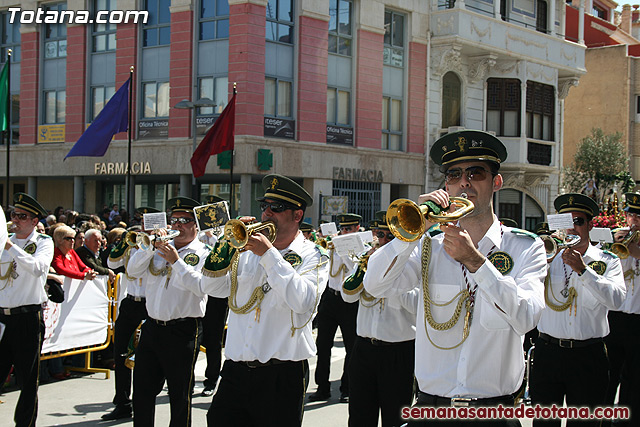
120, 168
352, 174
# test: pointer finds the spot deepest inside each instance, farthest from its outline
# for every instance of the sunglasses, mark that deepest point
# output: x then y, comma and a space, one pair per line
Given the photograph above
276, 207
181, 220
579, 221
382, 235
19, 215
473, 173
69, 238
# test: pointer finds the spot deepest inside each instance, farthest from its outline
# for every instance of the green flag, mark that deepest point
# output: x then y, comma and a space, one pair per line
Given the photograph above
4, 93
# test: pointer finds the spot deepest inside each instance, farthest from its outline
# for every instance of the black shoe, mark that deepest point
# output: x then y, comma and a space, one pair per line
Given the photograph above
319, 396
344, 397
207, 392
121, 411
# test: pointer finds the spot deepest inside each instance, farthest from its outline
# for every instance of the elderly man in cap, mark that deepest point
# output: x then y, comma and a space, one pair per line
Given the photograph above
333, 312
171, 337
131, 312
493, 274
582, 285
24, 265
623, 349
273, 290
382, 358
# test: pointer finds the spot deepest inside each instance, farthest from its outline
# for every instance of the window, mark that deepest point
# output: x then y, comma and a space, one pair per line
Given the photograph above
340, 35
216, 89
99, 98
10, 37
103, 36
156, 99
279, 25
338, 103
364, 197
503, 106
393, 39
55, 35
504, 10
277, 97
214, 19
451, 88
599, 11
391, 123
54, 106
541, 16
157, 30
540, 111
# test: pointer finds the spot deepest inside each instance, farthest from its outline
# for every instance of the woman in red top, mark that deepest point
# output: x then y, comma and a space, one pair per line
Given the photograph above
65, 260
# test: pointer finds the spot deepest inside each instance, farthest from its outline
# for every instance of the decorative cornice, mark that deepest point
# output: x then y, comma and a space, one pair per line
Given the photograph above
315, 15
480, 66
369, 28
450, 60
257, 2
564, 84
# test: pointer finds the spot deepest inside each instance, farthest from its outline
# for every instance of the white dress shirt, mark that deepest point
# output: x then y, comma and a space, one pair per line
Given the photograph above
335, 283
631, 271
292, 295
597, 294
165, 299
490, 362
133, 286
31, 269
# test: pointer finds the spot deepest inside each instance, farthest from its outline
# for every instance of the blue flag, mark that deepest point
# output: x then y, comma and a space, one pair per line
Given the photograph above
112, 119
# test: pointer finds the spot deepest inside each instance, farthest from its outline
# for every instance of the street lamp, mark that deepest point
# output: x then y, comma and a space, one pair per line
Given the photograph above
188, 105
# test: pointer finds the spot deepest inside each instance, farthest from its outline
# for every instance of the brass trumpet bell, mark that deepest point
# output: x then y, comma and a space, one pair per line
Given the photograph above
408, 221
9, 226
553, 246
237, 232
622, 248
145, 241
131, 238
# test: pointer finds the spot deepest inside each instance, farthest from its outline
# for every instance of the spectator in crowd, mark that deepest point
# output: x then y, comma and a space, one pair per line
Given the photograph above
114, 212
40, 227
62, 218
89, 253
71, 218
79, 240
65, 259
51, 219
58, 211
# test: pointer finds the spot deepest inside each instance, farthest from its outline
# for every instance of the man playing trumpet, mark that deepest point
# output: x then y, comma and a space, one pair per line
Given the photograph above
583, 284
483, 284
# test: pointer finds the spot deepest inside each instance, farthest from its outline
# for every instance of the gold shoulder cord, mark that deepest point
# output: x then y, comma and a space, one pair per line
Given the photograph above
8, 276
464, 298
367, 300
342, 269
571, 298
315, 304
127, 255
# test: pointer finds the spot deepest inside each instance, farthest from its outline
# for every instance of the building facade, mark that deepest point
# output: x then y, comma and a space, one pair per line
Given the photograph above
345, 96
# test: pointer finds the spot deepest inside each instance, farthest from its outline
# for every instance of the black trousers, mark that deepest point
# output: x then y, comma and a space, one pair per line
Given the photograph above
578, 374
213, 330
20, 346
623, 349
334, 312
130, 314
165, 353
380, 378
260, 396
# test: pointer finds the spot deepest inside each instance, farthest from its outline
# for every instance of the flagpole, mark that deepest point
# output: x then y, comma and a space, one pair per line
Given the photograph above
231, 195
8, 119
129, 192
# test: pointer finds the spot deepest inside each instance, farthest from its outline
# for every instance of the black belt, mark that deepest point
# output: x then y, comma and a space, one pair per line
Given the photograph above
258, 364
21, 310
333, 291
171, 322
377, 342
135, 298
429, 399
569, 343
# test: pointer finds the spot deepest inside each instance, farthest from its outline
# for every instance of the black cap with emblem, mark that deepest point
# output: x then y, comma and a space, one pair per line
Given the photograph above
542, 228
210, 198
633, 202
467, 146
27, 203
380, 220
146, 209
575, 202
349, 219
182, 204
283, 189
306, 227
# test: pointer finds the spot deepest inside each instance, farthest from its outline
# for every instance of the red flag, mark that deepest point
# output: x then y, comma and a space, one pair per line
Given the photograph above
219, 138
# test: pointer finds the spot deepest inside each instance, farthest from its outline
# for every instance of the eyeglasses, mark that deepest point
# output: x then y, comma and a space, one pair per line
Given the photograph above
347, 227
19, 215
579, 221
473, 173
276, 207
181, 220
69, 238
382, 235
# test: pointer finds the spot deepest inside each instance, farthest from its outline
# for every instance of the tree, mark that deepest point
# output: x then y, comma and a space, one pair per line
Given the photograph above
602, 158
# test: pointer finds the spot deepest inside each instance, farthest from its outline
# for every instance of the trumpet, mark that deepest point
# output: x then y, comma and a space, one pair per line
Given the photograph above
622, 248
130, 238
553, 245
145, 241
9, 226
237, 232
408, 221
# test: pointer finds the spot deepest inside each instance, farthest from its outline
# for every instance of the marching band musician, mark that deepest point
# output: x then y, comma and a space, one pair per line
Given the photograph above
24, 265
273, 291
623, 349
170, 338
131, 312
383, 355
333, 312
493, 273
583, 283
